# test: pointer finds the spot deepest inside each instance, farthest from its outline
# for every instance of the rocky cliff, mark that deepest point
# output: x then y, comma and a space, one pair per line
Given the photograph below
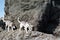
43, 14
28, 10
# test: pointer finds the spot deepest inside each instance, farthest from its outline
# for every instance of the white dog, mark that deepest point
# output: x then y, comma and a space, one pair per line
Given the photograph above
25, 26
8, 24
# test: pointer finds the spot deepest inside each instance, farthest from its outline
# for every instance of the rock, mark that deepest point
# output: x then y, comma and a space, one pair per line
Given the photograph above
28, 10
43, 14
34, 35
1, 29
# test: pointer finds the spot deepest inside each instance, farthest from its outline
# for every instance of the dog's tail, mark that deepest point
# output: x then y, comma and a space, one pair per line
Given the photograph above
18, 20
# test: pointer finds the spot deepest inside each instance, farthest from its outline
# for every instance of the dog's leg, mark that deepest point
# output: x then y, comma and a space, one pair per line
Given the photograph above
26, 30
5, 27
20, 28
8, 28
30, 28
12, 28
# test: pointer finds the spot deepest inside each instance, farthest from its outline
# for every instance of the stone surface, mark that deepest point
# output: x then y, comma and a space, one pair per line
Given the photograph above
41, 13
28, 10
21, 35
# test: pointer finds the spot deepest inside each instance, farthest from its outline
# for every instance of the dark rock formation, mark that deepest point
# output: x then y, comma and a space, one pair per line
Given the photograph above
2, 25
50, 19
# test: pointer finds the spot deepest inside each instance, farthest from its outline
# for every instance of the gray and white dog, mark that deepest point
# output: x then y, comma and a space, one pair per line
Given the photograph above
25, 26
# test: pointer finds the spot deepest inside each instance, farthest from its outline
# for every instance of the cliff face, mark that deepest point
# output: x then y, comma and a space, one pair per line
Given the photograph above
28, 10
43, 14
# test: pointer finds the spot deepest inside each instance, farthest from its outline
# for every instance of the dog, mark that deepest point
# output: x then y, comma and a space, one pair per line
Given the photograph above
25, 26
9, 24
